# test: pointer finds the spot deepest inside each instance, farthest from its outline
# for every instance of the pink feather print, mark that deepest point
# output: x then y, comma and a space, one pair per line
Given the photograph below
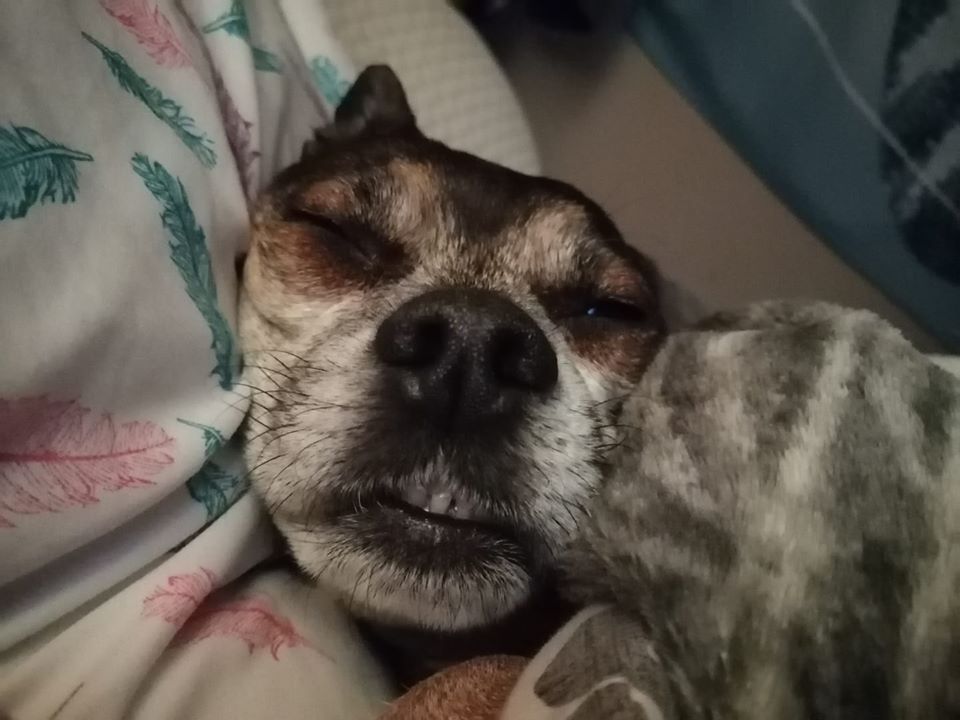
183, 602
251, 620
238, 136
56, 455
152, 29
180, 597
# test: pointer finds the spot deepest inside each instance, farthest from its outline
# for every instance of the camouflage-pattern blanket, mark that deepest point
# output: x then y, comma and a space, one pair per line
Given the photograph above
769, 542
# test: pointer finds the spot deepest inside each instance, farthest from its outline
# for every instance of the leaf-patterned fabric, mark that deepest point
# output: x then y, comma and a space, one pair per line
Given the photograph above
35, 169
132, 135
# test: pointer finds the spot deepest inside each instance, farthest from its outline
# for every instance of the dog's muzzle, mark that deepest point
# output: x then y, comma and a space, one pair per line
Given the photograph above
460, 365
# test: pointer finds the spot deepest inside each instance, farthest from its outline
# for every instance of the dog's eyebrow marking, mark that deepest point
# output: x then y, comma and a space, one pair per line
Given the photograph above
335, 196
545, 244
414, 188
416, 176
621, 279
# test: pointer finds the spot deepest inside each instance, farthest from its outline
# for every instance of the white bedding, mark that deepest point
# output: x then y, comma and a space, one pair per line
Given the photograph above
132, 135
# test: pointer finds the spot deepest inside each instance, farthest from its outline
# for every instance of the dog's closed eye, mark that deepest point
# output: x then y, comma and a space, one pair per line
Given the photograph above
611, 331
351, 242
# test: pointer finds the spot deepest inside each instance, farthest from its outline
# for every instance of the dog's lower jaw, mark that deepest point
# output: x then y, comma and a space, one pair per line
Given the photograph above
375, 586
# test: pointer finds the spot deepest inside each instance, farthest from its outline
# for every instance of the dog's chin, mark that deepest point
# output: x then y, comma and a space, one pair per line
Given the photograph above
397, 564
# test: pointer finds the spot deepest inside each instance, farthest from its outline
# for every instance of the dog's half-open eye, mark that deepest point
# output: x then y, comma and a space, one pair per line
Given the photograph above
615, 332
582, 309
615, 310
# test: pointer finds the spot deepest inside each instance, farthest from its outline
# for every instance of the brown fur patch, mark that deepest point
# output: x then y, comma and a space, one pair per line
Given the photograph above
473, 690
625, 353
414, 198
328, 252
303, 264
618, 279
334, 196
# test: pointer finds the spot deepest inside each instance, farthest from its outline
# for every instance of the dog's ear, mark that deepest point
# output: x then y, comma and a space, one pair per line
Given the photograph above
375, 104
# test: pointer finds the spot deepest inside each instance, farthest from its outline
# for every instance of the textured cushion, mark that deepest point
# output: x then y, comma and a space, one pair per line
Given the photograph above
458, 92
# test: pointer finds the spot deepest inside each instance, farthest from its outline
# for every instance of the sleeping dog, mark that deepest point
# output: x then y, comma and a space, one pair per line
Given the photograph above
439, 347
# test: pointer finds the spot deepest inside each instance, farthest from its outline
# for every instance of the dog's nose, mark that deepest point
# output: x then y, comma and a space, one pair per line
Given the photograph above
464, 356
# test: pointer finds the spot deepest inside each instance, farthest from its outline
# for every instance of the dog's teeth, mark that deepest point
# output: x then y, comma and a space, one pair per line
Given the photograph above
443, 501
416, 495
440, 503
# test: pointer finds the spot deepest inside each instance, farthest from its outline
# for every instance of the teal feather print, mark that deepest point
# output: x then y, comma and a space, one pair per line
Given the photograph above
35, 169
167, 110
265, 61
215, 489
188, 250
332, 85
212, 438
234, 22
212, 486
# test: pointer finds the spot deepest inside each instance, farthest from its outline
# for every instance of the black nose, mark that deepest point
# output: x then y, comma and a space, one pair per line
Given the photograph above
464, 356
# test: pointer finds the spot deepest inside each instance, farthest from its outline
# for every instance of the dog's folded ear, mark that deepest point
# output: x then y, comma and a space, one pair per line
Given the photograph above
376, 104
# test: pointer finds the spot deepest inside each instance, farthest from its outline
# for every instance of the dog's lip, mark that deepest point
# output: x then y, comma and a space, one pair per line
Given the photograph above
342, 507
399, 504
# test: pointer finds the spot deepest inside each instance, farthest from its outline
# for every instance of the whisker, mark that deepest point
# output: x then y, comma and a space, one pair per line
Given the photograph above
271, 392
260, 434
273, 371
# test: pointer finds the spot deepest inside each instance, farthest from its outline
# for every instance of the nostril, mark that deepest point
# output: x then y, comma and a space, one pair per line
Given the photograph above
411, 342
432, 339
463, 357
523, 360
506, 357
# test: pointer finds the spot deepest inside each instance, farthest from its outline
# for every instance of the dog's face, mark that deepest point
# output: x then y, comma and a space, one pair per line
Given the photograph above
437, 346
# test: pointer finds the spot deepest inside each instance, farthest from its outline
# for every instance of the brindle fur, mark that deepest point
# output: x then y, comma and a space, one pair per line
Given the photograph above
376, 214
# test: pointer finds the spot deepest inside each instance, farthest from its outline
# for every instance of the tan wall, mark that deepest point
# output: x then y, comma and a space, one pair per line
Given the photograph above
607, 121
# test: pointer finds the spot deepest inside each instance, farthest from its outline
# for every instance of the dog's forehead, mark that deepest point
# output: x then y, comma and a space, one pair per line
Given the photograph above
455, 214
